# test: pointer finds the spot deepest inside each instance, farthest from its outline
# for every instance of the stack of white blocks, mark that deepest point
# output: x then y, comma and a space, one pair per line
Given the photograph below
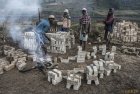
81, 55
29, 41
129, 34
92, 75
55, 76
100, 68
73, 80
59, 42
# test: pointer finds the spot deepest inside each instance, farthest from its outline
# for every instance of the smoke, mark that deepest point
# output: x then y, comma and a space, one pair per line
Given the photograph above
14, 11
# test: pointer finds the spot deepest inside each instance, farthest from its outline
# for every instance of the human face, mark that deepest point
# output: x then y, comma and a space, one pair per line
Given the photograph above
65, 14
84, 12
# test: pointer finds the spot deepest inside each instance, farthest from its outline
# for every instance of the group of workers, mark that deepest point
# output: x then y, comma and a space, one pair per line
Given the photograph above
47, 25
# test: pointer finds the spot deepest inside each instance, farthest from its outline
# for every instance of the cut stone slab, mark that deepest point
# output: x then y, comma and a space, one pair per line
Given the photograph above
81, 57
64, 60
1, 70
21, 65
9, 67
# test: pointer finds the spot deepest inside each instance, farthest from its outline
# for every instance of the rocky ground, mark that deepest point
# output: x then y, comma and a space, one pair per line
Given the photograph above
125, 81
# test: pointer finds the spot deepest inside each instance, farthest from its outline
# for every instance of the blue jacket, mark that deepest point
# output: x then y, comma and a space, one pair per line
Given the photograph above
42, 28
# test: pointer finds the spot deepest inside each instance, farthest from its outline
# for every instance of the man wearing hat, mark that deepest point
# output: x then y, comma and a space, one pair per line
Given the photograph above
66, 21
109, 23
53, 23
85, 22
44, 26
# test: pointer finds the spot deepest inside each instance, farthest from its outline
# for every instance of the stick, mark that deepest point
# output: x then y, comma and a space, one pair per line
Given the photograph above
39, 15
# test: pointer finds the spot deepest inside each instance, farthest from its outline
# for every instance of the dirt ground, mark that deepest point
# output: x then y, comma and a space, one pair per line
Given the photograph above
125, 81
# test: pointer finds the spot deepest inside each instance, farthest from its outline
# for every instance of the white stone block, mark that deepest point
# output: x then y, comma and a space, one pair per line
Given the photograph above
55, 60
113, 49
100, 63
93, 55
76, 87
103, 49
89, 70
101, 75
111, 57
1, 70
21, 65
117, 66
96, 82
96, 63
55, 76
73, 80
111, 66
107, 72
72, 58
107, 56
81, 57
68, 86
79, 48
95, 49
88, 55
5, 52
65, 61
9, 67
114, 70
95, 71
76, 70
91, 78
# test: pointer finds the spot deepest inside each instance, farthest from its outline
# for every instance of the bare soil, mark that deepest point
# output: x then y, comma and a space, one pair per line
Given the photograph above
125, 81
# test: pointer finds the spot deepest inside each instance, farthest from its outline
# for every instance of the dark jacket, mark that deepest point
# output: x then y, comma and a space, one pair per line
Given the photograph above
109, 23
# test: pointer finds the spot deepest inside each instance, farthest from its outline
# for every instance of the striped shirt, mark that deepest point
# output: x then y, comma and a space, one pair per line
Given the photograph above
85, 19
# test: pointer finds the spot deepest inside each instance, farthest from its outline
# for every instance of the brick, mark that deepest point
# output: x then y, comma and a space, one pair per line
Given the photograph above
94, 49
77, 70
79, 48
21, 65
9, 67
113, 49
81, 57
55, 76
64, 60
96, 82
107, 72
73, 80
72, 58
96, 63
1, 70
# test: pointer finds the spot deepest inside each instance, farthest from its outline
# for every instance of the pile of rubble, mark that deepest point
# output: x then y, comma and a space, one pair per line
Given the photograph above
14, 58
126, 31
93, 72
130, 50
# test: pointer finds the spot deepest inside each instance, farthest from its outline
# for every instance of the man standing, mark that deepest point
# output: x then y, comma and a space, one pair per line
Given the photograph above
44, 26
66, 21
85, 22
109, 24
